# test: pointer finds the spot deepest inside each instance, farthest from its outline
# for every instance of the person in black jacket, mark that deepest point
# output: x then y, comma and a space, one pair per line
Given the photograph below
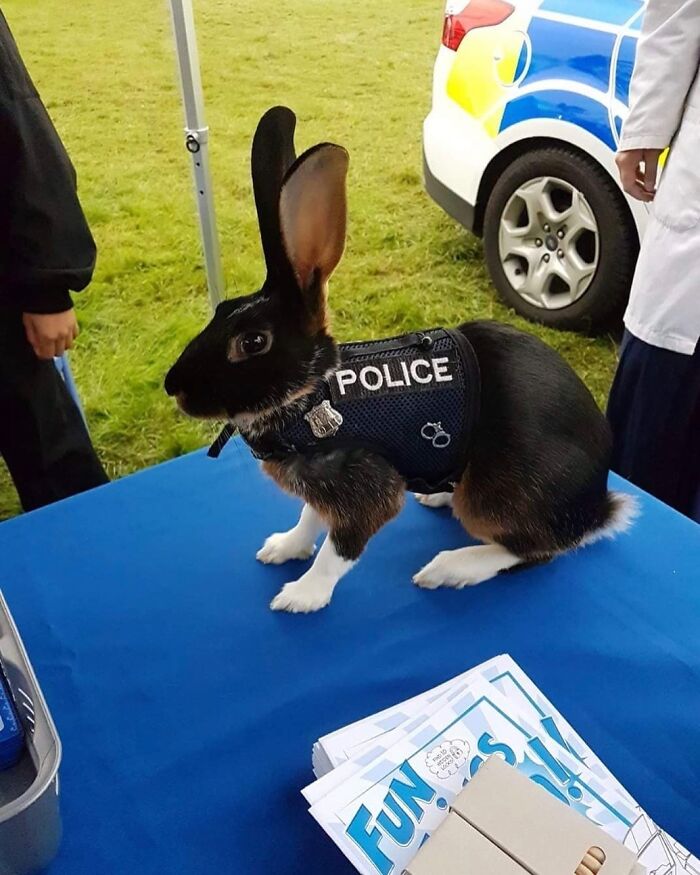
46, 250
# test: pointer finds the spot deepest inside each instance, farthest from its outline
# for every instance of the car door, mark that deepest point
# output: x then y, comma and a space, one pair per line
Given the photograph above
624, 54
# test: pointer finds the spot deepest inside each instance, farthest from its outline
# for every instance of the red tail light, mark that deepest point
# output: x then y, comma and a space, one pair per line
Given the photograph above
477, 13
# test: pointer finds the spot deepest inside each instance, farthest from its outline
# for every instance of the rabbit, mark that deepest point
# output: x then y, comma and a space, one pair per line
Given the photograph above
532, 482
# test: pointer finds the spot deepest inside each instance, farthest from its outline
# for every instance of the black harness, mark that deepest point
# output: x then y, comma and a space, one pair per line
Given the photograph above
414, 400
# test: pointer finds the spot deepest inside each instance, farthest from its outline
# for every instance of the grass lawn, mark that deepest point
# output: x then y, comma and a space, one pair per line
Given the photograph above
355, 71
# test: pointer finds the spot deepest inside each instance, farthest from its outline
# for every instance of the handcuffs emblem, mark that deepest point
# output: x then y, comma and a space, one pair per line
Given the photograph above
436, 434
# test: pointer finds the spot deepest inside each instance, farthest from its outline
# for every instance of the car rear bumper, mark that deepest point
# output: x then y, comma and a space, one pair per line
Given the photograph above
456, 149
456, 153
459, 209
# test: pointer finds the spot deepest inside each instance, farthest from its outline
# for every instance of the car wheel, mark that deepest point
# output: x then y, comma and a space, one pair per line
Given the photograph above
559, 240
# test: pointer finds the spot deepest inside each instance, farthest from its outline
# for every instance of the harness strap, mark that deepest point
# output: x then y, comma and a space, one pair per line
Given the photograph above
225, 435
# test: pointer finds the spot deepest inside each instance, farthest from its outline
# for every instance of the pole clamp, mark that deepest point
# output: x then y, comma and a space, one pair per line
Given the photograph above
195, 138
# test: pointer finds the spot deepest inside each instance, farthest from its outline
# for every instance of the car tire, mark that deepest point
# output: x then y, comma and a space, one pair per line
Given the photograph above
593, 301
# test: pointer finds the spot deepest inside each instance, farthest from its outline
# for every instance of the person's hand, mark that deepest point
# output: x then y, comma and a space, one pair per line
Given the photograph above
638, 169
50, 334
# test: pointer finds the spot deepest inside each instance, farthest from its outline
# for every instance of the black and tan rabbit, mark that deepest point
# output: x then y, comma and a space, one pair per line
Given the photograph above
483, 417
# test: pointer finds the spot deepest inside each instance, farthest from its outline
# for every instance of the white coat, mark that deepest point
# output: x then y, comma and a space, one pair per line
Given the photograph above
664, 307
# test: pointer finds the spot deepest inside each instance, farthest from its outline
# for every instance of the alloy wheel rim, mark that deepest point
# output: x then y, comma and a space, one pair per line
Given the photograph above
549, 243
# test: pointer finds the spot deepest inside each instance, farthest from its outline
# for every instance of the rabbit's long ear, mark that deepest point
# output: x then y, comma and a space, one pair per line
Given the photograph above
313, 219
272, 156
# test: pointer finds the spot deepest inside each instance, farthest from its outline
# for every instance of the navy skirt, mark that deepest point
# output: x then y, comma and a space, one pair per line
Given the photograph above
654, 411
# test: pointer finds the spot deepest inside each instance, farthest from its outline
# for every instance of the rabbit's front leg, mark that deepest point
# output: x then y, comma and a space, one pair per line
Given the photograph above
355, 494
297, 543
315, 587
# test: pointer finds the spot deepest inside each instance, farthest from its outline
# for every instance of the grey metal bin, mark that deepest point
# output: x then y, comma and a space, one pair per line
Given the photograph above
30, 823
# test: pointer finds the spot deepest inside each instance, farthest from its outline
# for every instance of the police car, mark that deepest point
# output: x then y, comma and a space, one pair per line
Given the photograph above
519, 146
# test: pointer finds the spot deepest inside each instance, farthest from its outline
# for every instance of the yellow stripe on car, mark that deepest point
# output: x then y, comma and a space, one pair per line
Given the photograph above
484, 70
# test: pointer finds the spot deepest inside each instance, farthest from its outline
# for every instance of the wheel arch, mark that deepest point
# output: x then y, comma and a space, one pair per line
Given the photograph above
519, 149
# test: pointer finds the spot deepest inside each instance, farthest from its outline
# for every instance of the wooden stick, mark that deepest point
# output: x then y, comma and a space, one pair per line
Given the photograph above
598, 853
590, 861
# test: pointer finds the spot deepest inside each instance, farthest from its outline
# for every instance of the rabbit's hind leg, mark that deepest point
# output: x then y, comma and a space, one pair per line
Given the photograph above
440, 499
467, 566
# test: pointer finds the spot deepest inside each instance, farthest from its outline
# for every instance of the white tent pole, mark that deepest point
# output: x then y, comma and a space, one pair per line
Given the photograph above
197, 140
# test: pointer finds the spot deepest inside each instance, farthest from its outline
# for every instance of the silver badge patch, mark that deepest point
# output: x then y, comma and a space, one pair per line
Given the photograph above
324, 420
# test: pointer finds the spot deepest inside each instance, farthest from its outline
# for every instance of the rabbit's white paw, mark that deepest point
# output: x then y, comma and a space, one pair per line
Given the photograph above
465, 567
284, 546
303, 596
440, 499
315, 587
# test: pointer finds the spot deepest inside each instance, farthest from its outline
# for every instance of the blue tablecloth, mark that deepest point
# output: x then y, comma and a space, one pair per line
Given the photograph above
188, 709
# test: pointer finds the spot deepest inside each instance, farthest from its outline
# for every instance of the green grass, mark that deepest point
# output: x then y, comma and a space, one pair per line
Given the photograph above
355, 71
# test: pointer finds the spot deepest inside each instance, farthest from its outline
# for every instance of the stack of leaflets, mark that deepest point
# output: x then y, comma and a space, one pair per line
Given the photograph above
386, 782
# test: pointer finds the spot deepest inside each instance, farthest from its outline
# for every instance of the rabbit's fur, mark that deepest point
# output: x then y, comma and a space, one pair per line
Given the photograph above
535, 484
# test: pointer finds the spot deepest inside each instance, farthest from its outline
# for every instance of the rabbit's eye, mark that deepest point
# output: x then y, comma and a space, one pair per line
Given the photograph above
251, 343
255, 342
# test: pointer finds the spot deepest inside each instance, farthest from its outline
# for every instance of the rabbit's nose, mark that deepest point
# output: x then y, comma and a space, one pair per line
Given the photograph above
172, 384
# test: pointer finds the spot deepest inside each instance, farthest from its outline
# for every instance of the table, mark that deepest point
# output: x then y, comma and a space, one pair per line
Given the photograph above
188, 709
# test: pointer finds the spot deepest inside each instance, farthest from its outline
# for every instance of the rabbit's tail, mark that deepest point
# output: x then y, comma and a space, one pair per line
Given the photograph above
618, 515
